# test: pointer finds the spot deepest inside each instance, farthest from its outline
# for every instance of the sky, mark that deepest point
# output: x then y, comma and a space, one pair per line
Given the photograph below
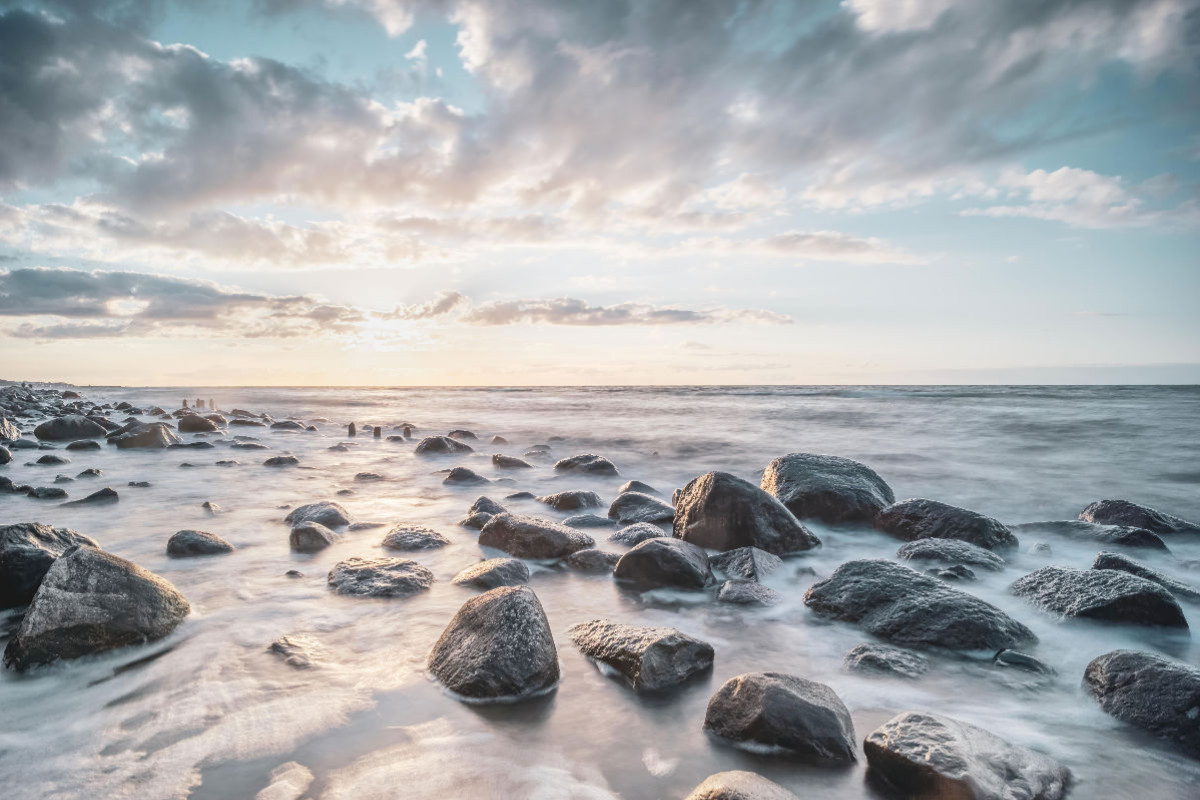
550, 192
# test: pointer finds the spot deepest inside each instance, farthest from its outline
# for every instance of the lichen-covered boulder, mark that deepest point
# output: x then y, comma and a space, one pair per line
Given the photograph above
720, 511
827, 488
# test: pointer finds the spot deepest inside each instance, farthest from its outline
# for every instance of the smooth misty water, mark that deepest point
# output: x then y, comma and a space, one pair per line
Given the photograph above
216, 714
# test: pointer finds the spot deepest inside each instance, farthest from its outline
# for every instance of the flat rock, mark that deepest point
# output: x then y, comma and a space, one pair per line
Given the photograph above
882, 659
282, 461
739, 785
379, 577
664, 563
651, 659
413, 537
747, 593
69, 427
572, 500
903, 606
530, 537
827, 488
721, 512
930, 756
1155, 694
630, 507
588, 464
1124, 563
747, 563
196, 543
441, 445
785, 712
27, 549
1103, 594
928, 519
637, 533
328, 513
1123, 512
493, 573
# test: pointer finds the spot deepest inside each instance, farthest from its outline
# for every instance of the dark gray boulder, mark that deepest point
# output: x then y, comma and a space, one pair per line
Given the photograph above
441, 445
650, 659
571, 500
461, 476
105, 496
501, 461
721, 512
530, 537
638, 486
747, 593
747, 563
493, 573
930, 756
90, 602
27, 550
194, 423
949, 553
589, 521
739, 785
309, 537
84, 444
1124, 563
1157, 695
196, 543
379, 577
928, 519
70, 427
413, 537
770, 709
588, 464
1104, 594
903, 606
48, 493
1106, 535
5, 455
51, 460
592, 560
485, 505
475, 521
882, 659
630, 507
1123, 512
326, 512
636, 534
282, 461
497, 647
664, 563
827, 488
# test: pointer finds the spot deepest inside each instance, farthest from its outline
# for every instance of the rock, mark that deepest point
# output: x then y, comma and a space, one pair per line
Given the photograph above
413, 537
827, 488
571, 501
194, 423
197, 543
903, 606
1159, 696
1124, 563
211, 508
664, 562
949, 553
103, 497
530, 537
630, 507
770, 709
193, 446
439, 445
379, 577
287, 425
461, 434
310, 536
747, 593
139, 484
636, 534
84, 444
497, 647
69, 395
282, 461
249, 446
722, 512
1100, 594
296, 651
592, 560
953, 574
144, 436
47, 493
639, 487
485, 505
739, 785
246, 423
90, 472
5, 455
499, 440
475, 521
27, 549
1107, 535
519, 496
494, 572
881, 659
72, 426
651, 659
588, 521
50, 460
90, 602
461, 476
500, 461
328, 513
23, 444
931, 756
588, 464
749, 563
63, 479
8, 429
1023, 661
368, 477
928, 519
1123, 512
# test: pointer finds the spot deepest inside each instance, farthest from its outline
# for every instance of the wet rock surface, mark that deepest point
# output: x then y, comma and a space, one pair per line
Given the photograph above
631, 507
1100, 594
882, 659
379, 577
27, 550
1150, 692
949, 553
720, 511
530, 537
929, 519
413, 537
1124, 512
196, 543
650, 659
827, 488
747, 563
739, 785
1124, 563
664, 562
493, 573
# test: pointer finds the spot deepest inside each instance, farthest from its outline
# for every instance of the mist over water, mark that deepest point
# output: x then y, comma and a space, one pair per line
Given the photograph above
215, 715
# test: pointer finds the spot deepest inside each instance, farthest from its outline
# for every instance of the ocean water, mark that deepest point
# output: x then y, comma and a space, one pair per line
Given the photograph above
212, 714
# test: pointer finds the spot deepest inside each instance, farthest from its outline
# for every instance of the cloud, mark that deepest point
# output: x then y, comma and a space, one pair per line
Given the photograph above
815, 246
570, 311
443, 304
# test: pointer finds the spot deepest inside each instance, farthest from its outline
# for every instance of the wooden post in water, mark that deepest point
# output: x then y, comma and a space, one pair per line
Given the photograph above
353, 431
378, 431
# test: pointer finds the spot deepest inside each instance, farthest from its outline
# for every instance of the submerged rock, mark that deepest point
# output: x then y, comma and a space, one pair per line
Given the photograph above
52, 460
530, 537
882, 659
903, 606
928, 519
1157, 695
639, 487
501, 461
84, 444
771, 709
1100, 594
327, 513
748, 563
485, 505
1014, 659
588, 521
950, 553
90, 602
27, 549
1123, 512
494, 572
310, 536
747, 593
930, 756
592, 560
47, 493
194, 423
105, 496
722, 512
739, 785
651, 659
72, 426
1124, 563
664, 563
630, 507
636, 534
296, 651
571, 500
827, 488
461, 476
196, 543
1107, 535
497, 647
588, 464
475, 521
441, 445
413, 537
282, 461
379, 577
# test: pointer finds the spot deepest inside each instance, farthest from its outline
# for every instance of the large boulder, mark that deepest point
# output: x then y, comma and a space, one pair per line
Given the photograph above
194, 423
631, 507
144, 436
196, 543
903, 606
588, 464
1123, 512
747, 563
1124, 563
651, 659
1106, 535
530, 537
770, 709
928, 519
827, 488
739, 785
493, 573
441, 445
1160, 696
91, 602
721, 512
949, 553
930, 756
27, 550
664, 563
571, 500
636, 534
379, 577
72, 426
1105, 594
498, 647
326, 512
